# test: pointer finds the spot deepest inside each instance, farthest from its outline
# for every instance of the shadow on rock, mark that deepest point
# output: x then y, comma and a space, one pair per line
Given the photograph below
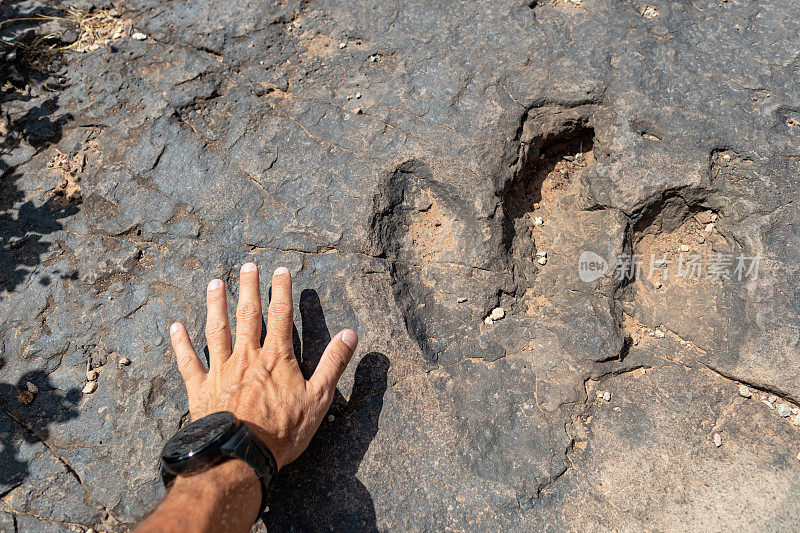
24, 423
320, 490
31, 70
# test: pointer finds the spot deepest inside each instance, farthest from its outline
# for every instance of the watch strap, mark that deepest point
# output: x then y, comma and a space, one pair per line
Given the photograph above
245, 445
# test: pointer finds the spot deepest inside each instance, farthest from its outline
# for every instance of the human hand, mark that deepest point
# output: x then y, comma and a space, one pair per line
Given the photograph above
262, 385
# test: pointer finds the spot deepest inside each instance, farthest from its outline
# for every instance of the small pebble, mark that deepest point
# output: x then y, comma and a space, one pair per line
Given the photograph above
607, 396
783, 410
772, 398
717, 440
331, 418
709, 228
714, 217
684, 248
358, 111
358, 95
342, 45
90, 530
497, 314
536, 205
90, 387
658, 334
31, 387
91, 375
542, 260
744, 391
650, 12
124, 361
538, 221
798, 456
139, 36
703, 218
462, 300
25, 397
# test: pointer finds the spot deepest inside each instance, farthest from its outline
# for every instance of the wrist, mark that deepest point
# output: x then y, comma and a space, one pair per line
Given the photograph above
222, 483
230, 474
226, 493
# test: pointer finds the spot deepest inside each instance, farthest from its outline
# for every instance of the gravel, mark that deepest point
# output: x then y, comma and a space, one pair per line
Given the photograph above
497, 314
783, 410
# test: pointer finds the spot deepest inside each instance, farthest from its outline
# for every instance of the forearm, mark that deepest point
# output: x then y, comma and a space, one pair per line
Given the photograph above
224, 498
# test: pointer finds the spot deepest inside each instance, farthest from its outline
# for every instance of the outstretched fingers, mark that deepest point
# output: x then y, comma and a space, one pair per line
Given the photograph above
192, 370
248, 310
280, 315
218, 330
334, 360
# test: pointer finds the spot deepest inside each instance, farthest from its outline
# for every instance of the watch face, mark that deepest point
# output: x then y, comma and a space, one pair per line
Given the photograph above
208, 431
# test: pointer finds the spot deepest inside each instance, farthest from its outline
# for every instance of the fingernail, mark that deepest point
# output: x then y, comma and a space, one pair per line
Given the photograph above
214, 284
249, 267
350, 339
173, 329
280, 271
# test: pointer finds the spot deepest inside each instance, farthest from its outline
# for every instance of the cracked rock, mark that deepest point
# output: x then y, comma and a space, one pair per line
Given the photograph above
194, 157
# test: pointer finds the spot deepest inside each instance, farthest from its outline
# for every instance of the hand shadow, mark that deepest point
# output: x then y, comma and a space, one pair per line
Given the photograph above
320, 491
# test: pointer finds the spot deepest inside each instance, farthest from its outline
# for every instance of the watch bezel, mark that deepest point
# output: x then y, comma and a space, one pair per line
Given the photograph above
208, 452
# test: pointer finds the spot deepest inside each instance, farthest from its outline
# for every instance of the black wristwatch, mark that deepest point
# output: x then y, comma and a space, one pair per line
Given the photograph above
215, 438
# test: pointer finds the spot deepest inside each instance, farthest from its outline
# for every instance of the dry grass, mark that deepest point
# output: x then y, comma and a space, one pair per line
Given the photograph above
94, 30
97, 29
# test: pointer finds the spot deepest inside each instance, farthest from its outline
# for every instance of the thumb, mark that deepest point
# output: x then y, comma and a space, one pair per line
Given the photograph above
334, 360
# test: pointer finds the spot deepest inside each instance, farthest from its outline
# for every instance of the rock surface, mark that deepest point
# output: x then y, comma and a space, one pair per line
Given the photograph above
487, 135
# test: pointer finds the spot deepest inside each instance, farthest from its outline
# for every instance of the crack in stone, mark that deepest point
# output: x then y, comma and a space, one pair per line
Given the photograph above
33, 433
764, 388
15, 513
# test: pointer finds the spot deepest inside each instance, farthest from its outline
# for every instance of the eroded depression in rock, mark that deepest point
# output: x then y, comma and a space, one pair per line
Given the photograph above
541, 199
